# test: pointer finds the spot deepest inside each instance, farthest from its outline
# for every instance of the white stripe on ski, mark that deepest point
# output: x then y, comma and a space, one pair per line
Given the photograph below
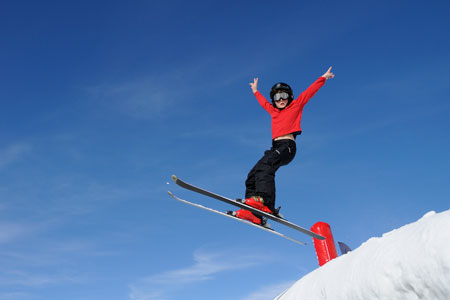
235, 218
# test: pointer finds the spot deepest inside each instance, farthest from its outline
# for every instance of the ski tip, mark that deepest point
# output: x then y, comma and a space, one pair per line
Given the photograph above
174, 178
170, 193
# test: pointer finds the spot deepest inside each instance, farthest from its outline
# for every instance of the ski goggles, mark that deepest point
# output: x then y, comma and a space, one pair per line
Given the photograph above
281, 95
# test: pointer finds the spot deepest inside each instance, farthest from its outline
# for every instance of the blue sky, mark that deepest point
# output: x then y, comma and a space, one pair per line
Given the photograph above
101, 101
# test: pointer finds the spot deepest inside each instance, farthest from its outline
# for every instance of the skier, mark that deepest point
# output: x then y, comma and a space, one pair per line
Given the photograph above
286, 114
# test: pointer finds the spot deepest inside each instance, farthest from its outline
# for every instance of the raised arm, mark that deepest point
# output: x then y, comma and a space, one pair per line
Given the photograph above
313, 88
261, 99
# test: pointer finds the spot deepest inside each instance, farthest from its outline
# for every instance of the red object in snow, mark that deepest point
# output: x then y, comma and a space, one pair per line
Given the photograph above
325, 249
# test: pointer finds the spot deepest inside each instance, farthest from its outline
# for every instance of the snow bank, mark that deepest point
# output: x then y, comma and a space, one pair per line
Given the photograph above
412, 262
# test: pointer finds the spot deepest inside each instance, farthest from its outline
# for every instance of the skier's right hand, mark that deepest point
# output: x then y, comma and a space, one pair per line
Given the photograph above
254, 85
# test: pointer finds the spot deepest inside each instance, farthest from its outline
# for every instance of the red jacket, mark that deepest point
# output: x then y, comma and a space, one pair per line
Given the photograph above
288, 120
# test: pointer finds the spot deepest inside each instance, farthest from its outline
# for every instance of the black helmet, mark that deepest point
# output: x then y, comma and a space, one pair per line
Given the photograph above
281, 86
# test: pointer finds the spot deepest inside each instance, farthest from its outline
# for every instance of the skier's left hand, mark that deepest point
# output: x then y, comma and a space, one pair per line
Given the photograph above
328, 74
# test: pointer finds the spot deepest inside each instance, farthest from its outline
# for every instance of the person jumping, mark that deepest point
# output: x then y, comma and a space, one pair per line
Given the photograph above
286, 114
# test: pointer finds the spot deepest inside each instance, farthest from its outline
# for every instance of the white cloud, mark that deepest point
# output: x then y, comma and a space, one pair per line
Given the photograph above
269, 292
151, 96
13, 153
141, 99
161, 91
14, 295
10, 231
28, 279
205, 267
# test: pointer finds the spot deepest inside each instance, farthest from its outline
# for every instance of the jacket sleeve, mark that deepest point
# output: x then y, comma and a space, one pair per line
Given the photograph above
264, 103
311, 91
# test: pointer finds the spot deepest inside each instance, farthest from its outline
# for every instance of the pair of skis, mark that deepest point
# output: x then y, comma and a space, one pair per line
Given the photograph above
239, 204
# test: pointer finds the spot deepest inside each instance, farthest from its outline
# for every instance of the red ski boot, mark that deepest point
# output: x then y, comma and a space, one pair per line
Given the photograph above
258, 203
247, 215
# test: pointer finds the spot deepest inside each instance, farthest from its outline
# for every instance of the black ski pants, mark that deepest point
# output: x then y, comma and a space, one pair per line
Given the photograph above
261, 179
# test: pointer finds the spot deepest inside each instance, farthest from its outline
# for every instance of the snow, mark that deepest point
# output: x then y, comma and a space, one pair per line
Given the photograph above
411, 262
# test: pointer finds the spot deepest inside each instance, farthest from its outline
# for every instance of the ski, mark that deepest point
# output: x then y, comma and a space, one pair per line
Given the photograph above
265, 228
283, 221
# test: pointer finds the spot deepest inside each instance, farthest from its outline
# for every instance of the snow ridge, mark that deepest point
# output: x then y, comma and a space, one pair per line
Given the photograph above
411, 262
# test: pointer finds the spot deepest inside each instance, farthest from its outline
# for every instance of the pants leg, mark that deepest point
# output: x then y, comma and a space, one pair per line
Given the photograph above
250, 183
261, 179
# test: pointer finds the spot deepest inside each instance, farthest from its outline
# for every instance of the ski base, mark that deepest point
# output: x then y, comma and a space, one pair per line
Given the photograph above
265, 227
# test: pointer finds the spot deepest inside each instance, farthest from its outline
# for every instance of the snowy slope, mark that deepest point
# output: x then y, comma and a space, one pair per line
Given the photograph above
412, 262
